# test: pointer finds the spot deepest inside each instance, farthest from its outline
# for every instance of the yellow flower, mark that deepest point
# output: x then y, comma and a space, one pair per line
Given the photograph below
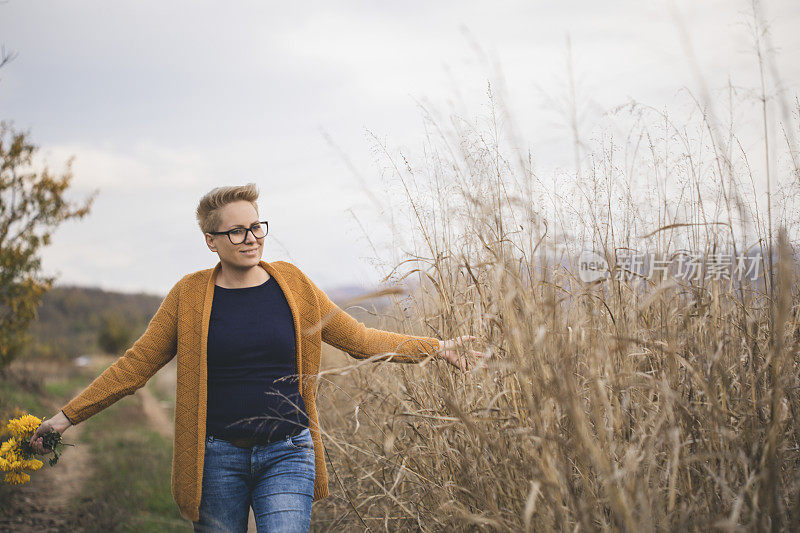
32, 464
24, 426
8, 445
8, 461
15, 457
17, 478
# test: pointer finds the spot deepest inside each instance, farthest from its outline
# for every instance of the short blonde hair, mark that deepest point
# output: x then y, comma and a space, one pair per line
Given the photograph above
208, 216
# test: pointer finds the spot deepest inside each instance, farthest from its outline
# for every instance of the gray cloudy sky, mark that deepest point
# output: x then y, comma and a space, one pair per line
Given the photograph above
161, 101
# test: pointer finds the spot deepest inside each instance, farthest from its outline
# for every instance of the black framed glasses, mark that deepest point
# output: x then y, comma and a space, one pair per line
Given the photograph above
239, 235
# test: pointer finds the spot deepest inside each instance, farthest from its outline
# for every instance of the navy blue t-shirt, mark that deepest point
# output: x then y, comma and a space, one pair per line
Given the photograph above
251, 343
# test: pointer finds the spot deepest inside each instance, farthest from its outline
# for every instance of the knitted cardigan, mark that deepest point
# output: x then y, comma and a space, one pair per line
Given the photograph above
180, 327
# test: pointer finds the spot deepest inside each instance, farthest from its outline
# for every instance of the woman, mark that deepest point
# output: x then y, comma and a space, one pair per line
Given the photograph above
244, 434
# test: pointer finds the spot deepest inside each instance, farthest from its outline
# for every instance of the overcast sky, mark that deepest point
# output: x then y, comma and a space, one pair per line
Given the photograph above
161, 101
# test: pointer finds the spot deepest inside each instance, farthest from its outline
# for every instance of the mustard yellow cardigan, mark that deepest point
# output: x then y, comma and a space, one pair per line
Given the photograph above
180, 327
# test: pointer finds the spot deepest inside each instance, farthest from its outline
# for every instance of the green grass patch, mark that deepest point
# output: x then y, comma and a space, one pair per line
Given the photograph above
24, 391
159, 393
64, 388
15, 398
129, 489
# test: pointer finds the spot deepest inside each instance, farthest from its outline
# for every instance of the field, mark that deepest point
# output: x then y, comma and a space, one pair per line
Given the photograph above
619, 396
627, 398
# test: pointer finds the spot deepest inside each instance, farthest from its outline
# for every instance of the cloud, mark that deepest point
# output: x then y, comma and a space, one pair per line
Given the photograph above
159, 102
146, 167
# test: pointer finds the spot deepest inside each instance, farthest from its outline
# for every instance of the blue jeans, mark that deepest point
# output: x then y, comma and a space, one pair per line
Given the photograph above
277, 479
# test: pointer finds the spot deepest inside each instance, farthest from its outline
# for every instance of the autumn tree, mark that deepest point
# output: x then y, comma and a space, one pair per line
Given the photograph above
114, 334
33, 203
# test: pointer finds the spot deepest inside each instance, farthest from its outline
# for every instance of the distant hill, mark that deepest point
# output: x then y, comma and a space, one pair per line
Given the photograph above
70, 317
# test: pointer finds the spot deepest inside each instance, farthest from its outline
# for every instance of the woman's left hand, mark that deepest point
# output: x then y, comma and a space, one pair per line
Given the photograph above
448, 352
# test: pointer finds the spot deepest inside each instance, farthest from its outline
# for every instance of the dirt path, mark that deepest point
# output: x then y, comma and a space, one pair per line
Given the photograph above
43, 502
160, 413
156, 414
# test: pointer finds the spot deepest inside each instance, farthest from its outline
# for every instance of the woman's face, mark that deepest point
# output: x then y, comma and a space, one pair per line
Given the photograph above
240, 214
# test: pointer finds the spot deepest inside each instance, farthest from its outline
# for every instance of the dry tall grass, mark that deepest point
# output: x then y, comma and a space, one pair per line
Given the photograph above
629, 404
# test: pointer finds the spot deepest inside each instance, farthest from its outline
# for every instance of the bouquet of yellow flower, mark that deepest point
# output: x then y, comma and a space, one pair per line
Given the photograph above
16, 454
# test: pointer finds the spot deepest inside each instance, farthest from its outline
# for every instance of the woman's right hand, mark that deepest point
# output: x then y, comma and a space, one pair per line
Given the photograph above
59, 422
